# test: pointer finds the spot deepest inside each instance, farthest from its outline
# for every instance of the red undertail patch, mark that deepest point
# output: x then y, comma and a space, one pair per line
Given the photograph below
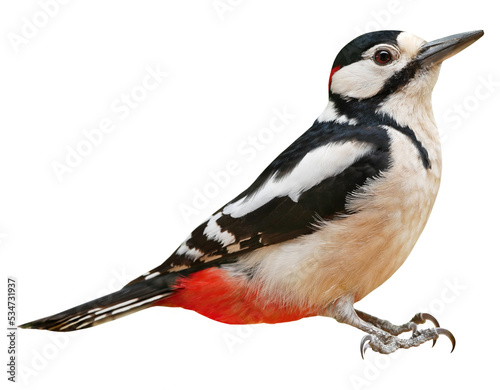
216, 295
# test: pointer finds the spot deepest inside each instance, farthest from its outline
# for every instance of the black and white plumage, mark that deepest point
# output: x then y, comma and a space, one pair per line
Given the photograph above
311, 180
299, 190
329, 220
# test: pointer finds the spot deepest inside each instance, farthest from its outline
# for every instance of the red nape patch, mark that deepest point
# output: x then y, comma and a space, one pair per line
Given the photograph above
214, 294
335, 69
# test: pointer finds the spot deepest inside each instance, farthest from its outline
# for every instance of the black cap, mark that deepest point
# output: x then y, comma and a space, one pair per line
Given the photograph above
353, 50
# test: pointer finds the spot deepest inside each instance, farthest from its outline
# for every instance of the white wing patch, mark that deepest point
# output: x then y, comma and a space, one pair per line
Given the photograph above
214, 232
317, 165
192, 253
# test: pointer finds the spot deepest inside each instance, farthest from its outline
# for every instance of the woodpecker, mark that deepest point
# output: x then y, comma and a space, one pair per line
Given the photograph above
328, 221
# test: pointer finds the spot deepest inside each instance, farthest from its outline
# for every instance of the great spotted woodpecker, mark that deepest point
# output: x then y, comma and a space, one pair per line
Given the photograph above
329, 220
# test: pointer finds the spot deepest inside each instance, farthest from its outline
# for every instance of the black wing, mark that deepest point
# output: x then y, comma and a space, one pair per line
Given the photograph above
223, 237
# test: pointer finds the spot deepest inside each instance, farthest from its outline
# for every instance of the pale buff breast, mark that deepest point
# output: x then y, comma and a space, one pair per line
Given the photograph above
355, 254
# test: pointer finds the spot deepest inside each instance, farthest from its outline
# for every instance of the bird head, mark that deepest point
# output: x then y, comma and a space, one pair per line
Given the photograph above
380, 63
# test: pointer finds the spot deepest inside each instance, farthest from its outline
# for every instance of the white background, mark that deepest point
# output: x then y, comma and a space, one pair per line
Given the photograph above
117, 213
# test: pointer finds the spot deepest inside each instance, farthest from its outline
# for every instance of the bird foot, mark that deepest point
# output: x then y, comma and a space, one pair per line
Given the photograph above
382, 336
396, 330
385, 343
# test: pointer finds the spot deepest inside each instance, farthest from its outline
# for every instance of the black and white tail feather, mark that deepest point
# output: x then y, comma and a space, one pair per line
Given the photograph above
128, 300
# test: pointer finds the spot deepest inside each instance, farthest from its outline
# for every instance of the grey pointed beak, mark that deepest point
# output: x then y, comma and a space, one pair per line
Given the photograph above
437, 51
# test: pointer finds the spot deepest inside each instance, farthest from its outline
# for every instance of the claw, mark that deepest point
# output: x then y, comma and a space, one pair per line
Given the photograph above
428, 317
365, 344
420, 318
448, 334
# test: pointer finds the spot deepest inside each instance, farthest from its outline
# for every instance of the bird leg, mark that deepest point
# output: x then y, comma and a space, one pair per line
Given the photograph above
382, 335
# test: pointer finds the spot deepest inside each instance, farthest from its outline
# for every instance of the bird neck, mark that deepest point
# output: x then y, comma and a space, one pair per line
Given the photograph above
404, 110
414, 111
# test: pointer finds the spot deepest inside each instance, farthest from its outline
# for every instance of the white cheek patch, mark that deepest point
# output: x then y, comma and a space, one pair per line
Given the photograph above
364, 79
316, 166
360, 80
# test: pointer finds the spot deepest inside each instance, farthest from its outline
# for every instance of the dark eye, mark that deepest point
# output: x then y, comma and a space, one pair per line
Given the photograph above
382, 57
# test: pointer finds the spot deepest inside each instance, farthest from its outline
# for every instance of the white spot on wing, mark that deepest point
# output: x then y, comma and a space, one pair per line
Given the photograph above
214, 232
193, 253
152, 275
317, 165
